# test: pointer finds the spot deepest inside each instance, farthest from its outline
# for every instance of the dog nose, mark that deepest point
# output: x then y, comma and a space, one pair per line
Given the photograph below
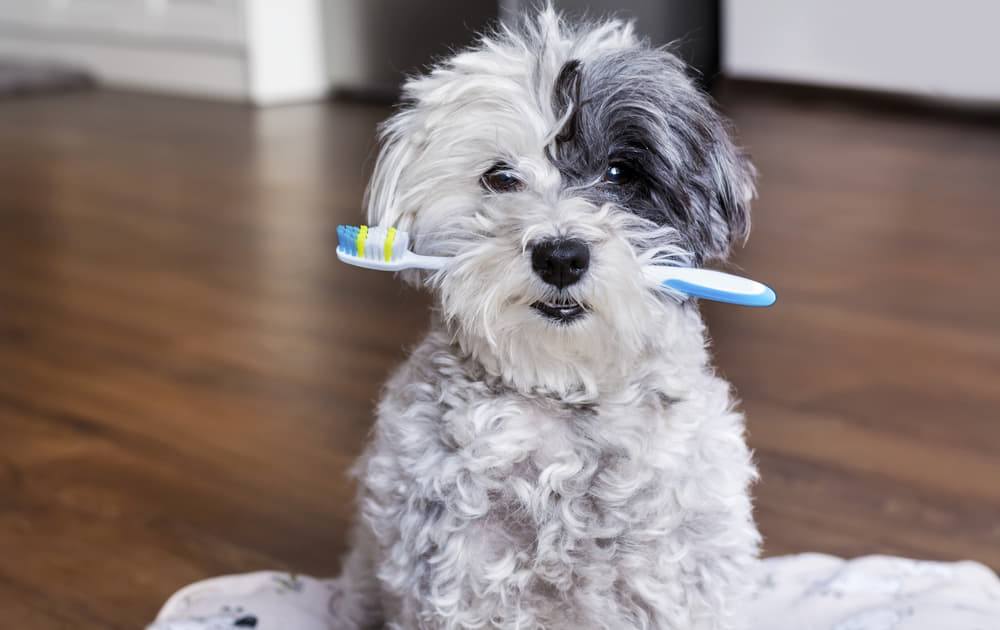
560, 262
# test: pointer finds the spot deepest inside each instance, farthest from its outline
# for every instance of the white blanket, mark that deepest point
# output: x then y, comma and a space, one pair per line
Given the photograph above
802, 592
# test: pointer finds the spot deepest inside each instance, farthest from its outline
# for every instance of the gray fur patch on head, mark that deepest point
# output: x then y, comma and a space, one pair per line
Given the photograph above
637, 111
509, 144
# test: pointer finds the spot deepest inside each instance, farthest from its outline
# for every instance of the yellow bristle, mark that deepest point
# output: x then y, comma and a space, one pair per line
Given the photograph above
362, 237
389, 238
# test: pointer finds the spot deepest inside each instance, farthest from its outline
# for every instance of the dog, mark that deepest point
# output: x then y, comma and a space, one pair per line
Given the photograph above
557, 452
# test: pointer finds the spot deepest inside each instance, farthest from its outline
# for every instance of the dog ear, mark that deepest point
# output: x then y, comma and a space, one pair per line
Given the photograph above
396, 152
732, 180
389, 196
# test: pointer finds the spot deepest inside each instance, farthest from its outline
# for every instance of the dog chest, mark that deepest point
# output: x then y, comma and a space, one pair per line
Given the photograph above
531, 476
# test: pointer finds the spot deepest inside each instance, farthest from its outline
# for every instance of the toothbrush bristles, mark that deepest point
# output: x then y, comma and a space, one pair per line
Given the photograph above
384, 244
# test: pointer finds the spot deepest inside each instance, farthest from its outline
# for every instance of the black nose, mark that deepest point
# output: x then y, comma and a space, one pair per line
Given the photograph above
560, 262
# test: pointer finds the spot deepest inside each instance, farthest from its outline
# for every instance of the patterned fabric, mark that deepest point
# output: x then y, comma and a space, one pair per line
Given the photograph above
802, 592
815, 591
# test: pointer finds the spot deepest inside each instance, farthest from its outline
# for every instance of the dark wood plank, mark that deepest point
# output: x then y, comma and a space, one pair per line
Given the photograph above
873, 387
186, 371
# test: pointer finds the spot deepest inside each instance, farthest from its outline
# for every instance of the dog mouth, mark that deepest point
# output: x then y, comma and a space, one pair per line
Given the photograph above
563, 312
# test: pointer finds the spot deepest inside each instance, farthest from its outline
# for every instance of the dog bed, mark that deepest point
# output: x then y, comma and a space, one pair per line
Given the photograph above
801, 592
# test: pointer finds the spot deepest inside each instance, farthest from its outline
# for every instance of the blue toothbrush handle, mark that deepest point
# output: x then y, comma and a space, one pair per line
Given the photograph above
714, 285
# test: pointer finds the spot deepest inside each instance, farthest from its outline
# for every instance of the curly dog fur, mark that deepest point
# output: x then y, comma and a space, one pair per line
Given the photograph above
558, 451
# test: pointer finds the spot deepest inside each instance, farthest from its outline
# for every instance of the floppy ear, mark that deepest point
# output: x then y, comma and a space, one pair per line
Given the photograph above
711, 194
732, 176
389, 196
396, 152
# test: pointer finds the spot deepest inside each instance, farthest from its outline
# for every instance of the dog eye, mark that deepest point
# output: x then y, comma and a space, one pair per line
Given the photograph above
617, 173
500, 179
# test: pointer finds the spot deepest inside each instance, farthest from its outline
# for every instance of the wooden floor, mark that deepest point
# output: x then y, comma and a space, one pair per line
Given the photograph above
186, 371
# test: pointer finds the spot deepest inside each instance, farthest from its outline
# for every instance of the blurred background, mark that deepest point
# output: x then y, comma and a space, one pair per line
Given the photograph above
277, 52
187, 372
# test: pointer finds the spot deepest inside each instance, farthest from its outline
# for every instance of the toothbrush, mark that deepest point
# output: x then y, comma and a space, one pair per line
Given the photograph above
387, 249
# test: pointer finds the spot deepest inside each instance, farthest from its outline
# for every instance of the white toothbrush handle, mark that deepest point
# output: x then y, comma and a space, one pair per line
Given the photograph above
409, 260
712, 285
419, 261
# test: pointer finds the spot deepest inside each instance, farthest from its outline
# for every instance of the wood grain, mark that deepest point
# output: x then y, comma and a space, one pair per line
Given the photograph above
186, 371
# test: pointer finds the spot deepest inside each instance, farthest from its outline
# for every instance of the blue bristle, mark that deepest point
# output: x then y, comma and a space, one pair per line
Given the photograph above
347, 239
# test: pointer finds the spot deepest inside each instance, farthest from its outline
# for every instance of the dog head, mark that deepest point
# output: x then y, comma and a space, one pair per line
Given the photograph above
553, 163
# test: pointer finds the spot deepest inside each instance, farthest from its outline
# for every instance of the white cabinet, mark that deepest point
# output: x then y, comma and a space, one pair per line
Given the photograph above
208, 21
264, 51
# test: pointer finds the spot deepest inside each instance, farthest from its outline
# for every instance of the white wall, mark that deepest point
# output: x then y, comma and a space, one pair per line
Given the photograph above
936, 48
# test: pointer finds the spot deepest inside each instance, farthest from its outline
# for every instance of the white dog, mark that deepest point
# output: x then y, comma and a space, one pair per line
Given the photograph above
558, 452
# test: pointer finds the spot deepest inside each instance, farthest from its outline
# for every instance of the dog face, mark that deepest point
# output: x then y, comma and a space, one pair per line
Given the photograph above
553, 164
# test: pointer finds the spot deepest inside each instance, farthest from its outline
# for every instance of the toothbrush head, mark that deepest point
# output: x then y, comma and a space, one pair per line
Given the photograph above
382, 248
377, 244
